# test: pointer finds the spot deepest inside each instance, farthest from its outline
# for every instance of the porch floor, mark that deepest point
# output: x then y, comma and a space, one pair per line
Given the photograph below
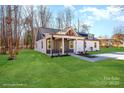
58, 54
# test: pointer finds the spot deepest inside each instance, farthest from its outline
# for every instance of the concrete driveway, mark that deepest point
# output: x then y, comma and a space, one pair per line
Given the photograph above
115, 55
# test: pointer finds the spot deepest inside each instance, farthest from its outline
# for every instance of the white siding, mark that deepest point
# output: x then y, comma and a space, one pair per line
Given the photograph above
38, 45
90, 44
78, 46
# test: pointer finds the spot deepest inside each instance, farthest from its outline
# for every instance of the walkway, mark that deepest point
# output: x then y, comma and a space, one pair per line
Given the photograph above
114, 55
98, 57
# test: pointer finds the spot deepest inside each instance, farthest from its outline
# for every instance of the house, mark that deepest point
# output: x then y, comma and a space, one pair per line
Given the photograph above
104, 42
60, 42
118, 40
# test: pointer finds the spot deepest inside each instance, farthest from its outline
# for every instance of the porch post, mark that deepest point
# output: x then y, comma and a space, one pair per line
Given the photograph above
63, 46
76, 46
51, 44
84, 45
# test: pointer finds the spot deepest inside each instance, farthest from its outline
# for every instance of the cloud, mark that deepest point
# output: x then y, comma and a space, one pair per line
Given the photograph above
95, 12
70, 6
120, 18
89, 23
110, 12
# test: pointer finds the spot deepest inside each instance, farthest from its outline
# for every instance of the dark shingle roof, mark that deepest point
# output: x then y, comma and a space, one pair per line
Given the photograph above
49, 30
83, 34
39, 36
42, 31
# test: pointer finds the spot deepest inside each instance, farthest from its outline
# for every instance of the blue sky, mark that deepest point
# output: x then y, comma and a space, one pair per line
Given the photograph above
102, 18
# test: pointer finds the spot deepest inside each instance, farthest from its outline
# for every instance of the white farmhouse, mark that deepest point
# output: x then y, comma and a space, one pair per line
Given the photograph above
61, 42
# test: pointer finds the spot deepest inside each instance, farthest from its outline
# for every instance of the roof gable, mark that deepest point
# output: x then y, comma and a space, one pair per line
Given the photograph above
42, 31
71, 32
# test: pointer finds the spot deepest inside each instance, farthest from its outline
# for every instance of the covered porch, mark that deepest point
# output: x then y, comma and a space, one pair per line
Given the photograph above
61, 44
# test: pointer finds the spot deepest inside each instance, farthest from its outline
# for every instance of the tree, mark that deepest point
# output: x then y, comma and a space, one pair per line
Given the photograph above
10, 29
29, 22
118, 35
69, 15
3, 39
78, 25
44, 16
0, 29
85, 28
39, 18
60, 20
17, 27
10, 39
118, 29
27, 39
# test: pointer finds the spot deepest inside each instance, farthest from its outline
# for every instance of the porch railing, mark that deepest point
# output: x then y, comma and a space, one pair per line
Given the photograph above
59, 51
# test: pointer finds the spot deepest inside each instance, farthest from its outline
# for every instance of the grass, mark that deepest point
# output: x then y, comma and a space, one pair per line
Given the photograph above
34, 69
108, 50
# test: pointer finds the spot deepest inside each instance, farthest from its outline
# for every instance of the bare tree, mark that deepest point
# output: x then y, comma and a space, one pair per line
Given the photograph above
85, 28
118, 35
10, 29
10, 39
118, 29
60, 20
29, 22
0, 29
69, 15
44, 16
78, 25
3, 39
17, 27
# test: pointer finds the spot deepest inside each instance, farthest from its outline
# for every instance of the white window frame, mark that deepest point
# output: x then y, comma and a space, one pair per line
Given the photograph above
71, 42
48, 41
42, 44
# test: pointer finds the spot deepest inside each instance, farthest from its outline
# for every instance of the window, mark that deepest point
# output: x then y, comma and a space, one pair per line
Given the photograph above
70, 44
42, 44
48, 44
95, 45
85, 44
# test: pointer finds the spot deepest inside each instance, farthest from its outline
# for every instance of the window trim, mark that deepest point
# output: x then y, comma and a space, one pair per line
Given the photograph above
42, 44
48, 44
85, 44
95, 45
71, 43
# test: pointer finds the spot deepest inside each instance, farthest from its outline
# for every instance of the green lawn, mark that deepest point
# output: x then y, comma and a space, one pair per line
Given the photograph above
108, 50
33, 69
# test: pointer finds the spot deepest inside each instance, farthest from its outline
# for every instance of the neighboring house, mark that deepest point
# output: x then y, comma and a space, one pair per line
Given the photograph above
118, 40
56, 41
105, 42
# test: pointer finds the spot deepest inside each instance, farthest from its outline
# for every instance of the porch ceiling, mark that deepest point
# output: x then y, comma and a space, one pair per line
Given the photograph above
65, 36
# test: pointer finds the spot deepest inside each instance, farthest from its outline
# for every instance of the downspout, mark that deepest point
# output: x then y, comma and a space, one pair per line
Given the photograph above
51, 45
84, 45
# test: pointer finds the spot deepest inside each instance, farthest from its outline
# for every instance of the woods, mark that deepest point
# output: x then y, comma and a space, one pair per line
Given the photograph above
10, 30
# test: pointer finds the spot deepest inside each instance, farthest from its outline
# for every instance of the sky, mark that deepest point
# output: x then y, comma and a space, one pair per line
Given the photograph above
101, 18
